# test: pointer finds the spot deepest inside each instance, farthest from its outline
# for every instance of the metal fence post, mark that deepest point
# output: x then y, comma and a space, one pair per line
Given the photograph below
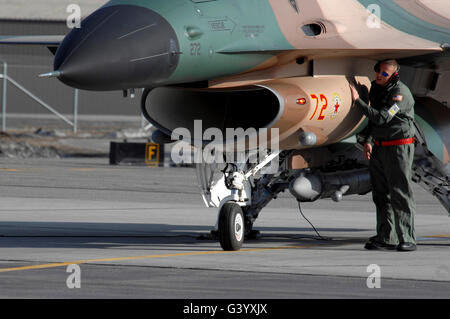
75, 111
5, 85
6, 78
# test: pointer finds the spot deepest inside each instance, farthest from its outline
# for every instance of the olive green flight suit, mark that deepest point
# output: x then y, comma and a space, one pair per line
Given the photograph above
391, 166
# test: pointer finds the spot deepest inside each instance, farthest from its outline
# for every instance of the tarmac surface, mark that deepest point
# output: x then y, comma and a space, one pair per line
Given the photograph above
136, 232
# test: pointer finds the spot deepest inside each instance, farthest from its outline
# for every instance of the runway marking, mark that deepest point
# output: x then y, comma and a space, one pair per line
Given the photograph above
198, 253
438, 236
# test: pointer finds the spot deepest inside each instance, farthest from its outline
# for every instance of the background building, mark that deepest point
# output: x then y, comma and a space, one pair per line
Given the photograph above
25, 63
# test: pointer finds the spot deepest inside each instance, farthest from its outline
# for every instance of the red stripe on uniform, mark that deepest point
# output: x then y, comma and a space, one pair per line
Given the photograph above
402, 141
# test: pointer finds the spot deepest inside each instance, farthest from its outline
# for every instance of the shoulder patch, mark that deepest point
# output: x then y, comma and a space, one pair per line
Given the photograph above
397, 98
393, 110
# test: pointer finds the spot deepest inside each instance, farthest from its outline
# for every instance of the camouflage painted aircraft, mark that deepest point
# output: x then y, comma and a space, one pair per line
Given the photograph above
283, 64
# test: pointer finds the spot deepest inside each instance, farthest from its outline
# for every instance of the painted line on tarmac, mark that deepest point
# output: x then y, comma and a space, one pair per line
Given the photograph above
439, 236
198, 253
435, 237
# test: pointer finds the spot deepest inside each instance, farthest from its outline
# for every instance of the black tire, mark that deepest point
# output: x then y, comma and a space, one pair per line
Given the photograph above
231, 227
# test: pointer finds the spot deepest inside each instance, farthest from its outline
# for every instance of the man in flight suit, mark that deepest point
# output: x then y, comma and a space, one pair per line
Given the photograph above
390, 148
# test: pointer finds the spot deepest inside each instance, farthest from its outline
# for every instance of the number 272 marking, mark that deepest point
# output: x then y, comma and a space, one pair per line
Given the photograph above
196, 49
323, 100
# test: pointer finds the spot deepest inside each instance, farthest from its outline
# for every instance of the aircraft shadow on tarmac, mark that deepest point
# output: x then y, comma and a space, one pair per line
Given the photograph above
143, 236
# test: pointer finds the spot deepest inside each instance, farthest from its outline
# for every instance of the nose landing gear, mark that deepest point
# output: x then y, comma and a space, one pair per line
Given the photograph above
231, 226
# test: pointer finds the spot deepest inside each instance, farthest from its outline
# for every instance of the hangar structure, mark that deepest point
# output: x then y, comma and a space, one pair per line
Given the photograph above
23, 64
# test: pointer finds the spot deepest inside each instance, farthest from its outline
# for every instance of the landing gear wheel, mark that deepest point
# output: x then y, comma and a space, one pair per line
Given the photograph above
231, 226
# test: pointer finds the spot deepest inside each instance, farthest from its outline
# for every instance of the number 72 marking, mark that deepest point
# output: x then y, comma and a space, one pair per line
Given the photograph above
324, 101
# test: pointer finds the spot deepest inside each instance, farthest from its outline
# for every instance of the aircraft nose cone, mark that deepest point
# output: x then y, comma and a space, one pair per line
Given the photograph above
118, 47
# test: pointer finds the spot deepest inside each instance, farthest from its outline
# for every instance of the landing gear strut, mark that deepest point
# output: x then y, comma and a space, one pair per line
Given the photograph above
240, 195
234, 221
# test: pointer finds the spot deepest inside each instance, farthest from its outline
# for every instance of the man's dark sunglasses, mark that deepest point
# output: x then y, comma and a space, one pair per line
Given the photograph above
383, 73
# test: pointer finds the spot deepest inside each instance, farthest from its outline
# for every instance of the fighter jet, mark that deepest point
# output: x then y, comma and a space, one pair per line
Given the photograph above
282, 67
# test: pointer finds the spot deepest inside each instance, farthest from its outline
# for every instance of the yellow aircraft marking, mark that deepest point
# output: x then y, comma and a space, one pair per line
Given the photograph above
9, 170
198, 253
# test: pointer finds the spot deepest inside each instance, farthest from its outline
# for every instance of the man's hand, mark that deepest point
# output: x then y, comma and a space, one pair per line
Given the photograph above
355, 94
368, 150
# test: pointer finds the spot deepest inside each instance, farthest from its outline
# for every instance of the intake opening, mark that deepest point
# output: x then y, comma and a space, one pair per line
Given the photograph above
250, 107
313, 29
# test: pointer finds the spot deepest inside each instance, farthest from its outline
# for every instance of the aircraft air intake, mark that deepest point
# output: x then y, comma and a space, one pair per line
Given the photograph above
325, 115
170, 108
